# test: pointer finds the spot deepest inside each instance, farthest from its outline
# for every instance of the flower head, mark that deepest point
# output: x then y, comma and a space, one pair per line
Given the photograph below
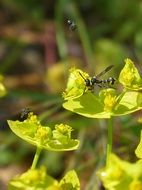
33, 132
121, 175
129, 76
43, 134
135, 185
75, 85
109, 99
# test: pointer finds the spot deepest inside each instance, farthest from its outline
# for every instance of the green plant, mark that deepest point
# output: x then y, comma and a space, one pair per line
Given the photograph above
107, 104
43, 137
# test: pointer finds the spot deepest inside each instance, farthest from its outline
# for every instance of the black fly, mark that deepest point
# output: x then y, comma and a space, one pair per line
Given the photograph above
95, 81
24, 113
72, 25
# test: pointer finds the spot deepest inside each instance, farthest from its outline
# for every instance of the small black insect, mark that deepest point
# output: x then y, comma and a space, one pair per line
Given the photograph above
94, 81
72, 25
24, 113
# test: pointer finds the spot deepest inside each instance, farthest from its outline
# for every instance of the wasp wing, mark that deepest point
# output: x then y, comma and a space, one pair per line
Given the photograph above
104, 71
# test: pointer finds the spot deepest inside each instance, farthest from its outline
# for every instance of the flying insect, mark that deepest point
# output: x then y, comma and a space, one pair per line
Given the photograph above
72, 25
24, 113
95, 81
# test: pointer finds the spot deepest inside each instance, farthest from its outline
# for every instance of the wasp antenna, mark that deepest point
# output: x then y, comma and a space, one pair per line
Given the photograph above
81, 75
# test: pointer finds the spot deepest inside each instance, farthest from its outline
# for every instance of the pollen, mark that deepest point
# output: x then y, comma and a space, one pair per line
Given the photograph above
128, 76
63, 129
35, 175
43, 134
109, 102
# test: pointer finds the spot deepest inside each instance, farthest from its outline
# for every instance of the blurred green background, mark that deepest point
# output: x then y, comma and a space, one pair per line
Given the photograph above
37, 48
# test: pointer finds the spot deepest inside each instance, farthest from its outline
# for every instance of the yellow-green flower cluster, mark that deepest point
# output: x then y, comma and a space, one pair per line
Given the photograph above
33, 132
109, 99
129, 76
43, 134
64, 129
121, 175
80, 98
33, 179
62, 133
75, 86
37, 179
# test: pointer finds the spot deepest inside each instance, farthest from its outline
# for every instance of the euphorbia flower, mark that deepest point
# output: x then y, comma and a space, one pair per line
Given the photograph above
43, 137
33, 179
129, 76
108, 102
37, 179
75, 86
121, 175
109, 99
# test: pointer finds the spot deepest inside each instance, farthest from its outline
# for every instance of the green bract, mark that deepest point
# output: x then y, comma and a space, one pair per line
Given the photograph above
70, 181
138, 150
37, 179
106, 104
121, 175
75, 86
129, 76
42, 136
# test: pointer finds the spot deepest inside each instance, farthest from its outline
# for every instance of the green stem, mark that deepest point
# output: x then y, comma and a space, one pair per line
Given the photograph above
60, 36
36, 157
83, 33
109, 143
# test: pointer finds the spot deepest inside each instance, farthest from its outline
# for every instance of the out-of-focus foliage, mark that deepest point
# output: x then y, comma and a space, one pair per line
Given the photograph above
39, 180
32, 10
56, 74
138, 150
107, 52
2, 88
121, 175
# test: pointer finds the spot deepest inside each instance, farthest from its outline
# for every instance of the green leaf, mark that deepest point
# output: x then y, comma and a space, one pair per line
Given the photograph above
138, 150
43, 137
70, 181
129, 76
121, 175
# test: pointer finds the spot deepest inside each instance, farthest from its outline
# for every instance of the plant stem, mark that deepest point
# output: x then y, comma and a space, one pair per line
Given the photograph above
36, 157
83, 33
60, 36
109, 143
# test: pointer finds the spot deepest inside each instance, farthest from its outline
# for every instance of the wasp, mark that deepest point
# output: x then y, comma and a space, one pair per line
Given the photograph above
72, 25
95, 81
